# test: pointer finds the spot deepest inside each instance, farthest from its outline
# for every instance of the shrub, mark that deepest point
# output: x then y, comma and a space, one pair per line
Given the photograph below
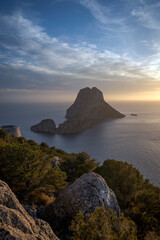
102, 224
139, 199
43, 144
122, 178
77, 164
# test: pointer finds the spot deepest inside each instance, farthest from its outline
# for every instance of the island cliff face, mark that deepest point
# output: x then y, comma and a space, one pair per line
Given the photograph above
88, 109
90, 105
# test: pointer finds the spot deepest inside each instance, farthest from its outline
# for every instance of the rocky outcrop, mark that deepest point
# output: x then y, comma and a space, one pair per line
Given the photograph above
15, 222
90, 105
85, 194
88, 109
12, 130
45, 126
73, 126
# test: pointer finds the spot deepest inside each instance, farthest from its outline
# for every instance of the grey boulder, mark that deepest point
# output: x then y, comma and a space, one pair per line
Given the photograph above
86, 194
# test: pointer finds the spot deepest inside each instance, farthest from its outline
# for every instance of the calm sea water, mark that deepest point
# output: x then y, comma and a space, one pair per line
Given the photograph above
135, 140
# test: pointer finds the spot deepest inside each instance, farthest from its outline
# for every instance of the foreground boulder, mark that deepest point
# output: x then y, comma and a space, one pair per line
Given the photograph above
86, 194
88, 109
16, 223
45, 126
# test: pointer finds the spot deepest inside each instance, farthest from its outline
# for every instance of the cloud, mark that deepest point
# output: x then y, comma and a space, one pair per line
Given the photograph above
109, 19
148, 15
102, 13
33, 60
99, 12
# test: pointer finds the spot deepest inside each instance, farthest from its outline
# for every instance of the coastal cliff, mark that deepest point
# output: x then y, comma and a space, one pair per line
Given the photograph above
12, 130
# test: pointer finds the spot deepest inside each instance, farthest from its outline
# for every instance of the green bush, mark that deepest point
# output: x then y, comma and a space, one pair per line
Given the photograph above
122, 178
25, 167
77, 164
3, 134
139, 199
102, 224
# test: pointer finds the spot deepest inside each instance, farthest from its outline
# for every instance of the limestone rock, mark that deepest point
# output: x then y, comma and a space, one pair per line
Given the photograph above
15, 223
45, 126
88, 109
86, 194
12, 130
90, 105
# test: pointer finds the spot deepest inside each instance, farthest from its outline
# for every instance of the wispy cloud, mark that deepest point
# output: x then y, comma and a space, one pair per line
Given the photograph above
102, 13
147, 15
31, 59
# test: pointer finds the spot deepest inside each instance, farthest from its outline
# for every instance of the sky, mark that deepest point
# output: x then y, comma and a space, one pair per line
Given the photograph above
50, 49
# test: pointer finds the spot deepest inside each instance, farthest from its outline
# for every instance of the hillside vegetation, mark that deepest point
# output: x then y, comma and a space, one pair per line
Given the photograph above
27, 168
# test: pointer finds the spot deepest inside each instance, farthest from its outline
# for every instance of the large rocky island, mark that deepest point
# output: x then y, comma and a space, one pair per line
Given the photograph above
88, 110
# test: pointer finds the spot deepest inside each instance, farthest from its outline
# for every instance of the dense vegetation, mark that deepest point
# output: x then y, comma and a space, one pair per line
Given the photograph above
102, 224
28, 169
138, 199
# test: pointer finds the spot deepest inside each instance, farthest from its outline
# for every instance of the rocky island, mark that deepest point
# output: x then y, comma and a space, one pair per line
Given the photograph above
88, 110
45, 126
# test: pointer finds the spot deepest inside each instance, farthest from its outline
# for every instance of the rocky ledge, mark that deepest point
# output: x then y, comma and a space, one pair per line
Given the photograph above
86, 194
16, 223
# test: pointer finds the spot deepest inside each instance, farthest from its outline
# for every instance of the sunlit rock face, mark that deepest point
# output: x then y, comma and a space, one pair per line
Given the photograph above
16, 223
88, 109
86, 194
12, 130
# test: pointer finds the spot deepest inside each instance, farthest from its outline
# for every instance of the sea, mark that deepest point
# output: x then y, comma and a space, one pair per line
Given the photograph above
132, 139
